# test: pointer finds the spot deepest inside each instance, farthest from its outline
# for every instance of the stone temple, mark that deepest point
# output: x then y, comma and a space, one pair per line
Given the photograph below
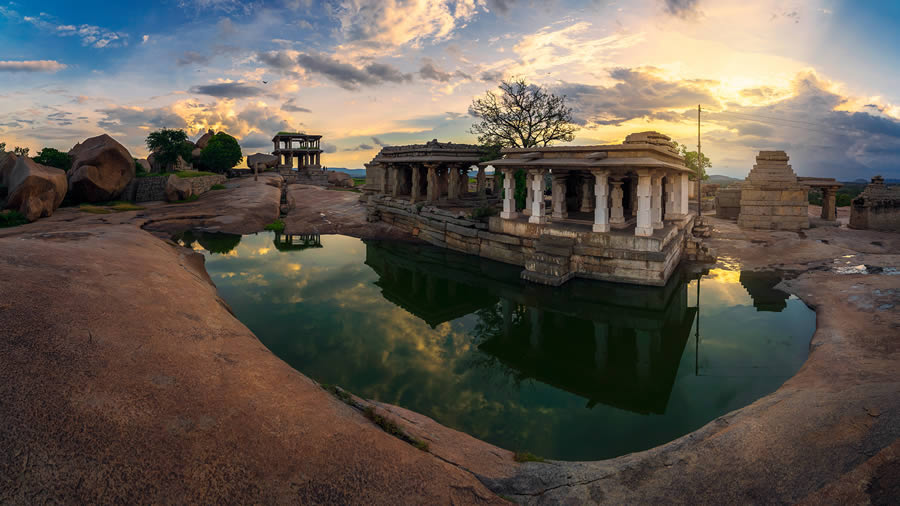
877, 207
616, 212
771, 197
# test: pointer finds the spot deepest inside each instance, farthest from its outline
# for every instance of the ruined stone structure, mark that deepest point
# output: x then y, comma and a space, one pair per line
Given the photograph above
829, 188
877, 207
302, 147
771, 196
728, 202
617, 212
430, 172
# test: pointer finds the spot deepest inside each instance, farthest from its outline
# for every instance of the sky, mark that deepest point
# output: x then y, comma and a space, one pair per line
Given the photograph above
815, 78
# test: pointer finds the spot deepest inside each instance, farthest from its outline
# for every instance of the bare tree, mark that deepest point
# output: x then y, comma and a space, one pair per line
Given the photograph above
522, 115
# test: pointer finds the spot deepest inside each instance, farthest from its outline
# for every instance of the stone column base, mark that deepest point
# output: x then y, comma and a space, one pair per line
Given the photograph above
601, 227
508, 215
539, 220
643, 231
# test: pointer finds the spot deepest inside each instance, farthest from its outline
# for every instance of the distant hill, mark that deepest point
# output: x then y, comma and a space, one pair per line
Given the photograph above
352, 172
721, 180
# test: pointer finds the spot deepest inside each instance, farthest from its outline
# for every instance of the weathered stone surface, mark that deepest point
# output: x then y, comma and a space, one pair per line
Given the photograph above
101, 168
341, 179
771, 197
35, 190
178, 188
145, 164
195, 154
7, 162
266, 161
203, 141
876, 208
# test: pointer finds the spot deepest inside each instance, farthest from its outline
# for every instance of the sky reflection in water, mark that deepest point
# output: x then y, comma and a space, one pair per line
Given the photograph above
588, 371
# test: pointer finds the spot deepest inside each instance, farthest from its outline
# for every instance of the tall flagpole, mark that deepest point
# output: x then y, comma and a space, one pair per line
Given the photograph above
699, 166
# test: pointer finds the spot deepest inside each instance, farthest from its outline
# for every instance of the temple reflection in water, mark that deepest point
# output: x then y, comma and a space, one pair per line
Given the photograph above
615, 344
287, 242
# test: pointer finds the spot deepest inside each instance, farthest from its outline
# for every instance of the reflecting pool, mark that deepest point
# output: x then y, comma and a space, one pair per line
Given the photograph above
587, 371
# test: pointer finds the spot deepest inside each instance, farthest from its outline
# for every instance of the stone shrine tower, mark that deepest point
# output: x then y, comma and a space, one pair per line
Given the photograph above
771, 196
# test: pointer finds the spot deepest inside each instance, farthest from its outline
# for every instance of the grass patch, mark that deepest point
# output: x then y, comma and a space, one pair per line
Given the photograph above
151, 174
217, 187
183, 201
393, 429
527, 457
109, 207
12, 218
340, 393
275, 226
359, 181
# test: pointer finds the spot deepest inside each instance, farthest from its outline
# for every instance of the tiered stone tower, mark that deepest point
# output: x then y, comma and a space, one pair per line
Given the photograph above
771, 197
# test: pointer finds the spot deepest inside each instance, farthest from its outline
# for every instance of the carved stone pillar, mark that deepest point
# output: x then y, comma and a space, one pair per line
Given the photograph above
601, 212
463, 180
617, 212
433, 188
395, 180
644, 212
385, 179
509, 195
587, 196
685, 190
453, 190
829, 204
529, 192
656, 199
481, 182
673, 197
535, 182
559, 196
416, 191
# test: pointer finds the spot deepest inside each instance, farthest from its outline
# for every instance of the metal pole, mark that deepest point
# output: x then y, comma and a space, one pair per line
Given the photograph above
699, 166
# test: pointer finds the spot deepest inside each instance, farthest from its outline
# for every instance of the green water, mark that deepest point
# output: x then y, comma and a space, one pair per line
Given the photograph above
587, 371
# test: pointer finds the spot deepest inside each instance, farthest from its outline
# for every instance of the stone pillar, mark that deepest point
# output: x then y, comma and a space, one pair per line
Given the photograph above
318, 158
529, 192
481, 182
587, 200
509, 195
644, 226
673, 197
685, 189
617, 213
535, 182
442, 182
453, 190
433, 188
395, 180
601, 211
559, 197
463, 180
656, 199
829, 204
416, 191
385, 180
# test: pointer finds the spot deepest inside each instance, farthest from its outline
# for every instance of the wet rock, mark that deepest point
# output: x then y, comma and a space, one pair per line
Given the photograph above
101, 169
35, 190
178, 189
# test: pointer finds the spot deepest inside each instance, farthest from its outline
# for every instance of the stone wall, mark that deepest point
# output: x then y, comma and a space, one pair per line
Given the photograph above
877, 207
620, 257
146, 189
728, 203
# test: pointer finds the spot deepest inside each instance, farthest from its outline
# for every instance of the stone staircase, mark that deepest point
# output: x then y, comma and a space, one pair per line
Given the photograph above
312, 176
550, 264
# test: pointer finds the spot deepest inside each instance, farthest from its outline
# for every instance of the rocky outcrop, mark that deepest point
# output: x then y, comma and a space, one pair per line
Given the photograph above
178, 188
340, 179
35, 190
204, 139
145, 164
7, 162
265, 161
195, 154
101, 169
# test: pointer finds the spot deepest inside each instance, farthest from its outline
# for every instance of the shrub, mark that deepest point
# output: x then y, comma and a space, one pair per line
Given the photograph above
527, 457
168, 145
189, 199
276, 226
221, 154
217, 187
185, 174
484, 212
54, 158
12, 219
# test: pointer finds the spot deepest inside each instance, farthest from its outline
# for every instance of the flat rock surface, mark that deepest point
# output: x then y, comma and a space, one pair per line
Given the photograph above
126, 380
319, 210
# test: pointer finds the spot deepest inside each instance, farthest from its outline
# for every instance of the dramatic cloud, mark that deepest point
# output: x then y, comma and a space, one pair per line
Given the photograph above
227, 90
278, 60
118, 118
430, 72
348, 76
290, 106
378, 142
680, 8
328, 148
93, 36
256, 141
31, 66
192, 57
402, 22
491, 76
361, 147
638, 94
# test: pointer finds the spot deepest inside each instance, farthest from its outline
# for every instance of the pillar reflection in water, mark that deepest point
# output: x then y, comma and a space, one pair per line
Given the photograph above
609, 343
285, 242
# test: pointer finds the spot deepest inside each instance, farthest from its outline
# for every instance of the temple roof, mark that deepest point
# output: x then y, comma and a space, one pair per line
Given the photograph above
295, 135
640, 162
432, 151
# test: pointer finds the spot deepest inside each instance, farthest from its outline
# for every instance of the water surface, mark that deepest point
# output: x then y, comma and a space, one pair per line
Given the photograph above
587, 371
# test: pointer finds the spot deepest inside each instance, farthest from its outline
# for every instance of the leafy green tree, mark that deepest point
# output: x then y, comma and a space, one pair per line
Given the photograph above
54, 158
20, 151
2, 147
168, 144
690, 160
221, 154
